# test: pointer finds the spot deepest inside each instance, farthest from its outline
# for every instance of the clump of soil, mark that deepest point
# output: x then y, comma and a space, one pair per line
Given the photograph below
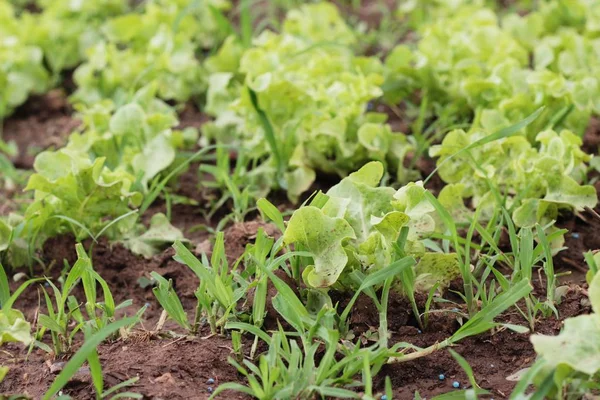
582, 236
591, 138
42, 122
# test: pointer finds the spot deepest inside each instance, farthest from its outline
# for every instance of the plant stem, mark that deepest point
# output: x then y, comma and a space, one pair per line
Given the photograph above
197, 317
421, 353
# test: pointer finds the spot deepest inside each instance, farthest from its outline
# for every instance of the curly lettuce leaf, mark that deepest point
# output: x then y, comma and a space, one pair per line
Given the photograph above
72, 188
358, 226
436, 268
322, 236
537, 182
358, 199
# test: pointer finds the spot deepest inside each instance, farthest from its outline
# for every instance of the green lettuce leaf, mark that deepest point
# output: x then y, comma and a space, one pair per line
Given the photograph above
358, 227
322, 236
14, 327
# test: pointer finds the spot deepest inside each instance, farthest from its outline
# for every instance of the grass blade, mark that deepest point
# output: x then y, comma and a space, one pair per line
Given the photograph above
483, 320
270, 211
114, 221
157, 188
4, 288
269, 132
83, 353
242, 326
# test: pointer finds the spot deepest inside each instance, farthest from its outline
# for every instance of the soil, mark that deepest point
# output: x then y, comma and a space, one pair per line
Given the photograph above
42, 122
168, 368
591, 138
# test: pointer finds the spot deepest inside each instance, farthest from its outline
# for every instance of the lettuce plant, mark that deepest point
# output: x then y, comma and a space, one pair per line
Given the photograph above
550, 17
93, 185
64, 30
74, 194
138, 137
21, 65
470, 64
193, 21
299, 101
359, 228
535, 183
159, 45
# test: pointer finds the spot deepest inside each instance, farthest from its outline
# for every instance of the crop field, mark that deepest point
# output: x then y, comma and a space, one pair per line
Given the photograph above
350, 199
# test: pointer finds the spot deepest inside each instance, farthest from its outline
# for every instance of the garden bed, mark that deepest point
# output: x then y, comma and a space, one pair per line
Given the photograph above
208, 102
179, 367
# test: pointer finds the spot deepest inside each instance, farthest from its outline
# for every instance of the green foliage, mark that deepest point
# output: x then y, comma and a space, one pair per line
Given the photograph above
289, 106
3, 371
151, 241
241, 185
74, 194
297, 105
168, 300
358, 229
14, 327
66, 30
21, 64
157, 44
290, 367
473, 61
217, 295
322, 236
138, 137
93, 185
88, 351
64, 318
534, 183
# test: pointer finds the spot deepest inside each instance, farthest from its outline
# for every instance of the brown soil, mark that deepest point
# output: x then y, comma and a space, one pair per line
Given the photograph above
492, 356
42, 122
369, 12
190, 116
591, 138
182, 368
